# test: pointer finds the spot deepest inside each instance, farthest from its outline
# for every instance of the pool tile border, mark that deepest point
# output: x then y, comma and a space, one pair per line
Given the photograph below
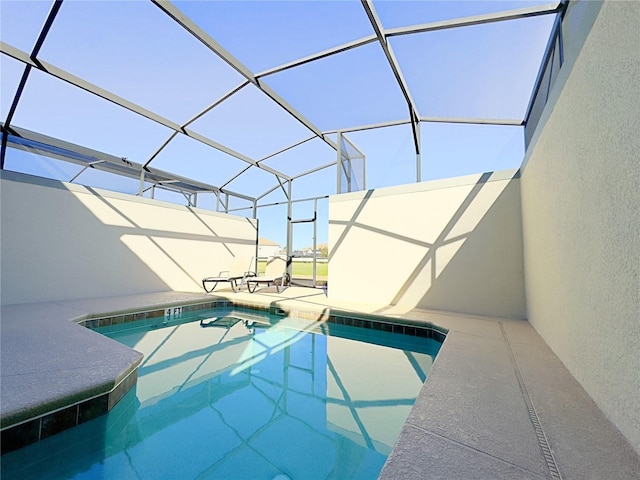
397, 325
48, 424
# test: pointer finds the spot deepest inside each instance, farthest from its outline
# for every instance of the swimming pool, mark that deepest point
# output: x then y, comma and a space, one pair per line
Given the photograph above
235, 393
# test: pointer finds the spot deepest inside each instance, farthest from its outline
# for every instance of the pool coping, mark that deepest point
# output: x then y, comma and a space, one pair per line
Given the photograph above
411, 327
497, 403
81, 400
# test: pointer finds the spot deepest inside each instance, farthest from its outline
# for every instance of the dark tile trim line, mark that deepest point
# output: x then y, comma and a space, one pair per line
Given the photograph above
39, 428
399, 325
116, 319
391, 327
374, 322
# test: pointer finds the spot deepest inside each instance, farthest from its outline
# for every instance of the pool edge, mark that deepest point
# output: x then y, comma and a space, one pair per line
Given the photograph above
32, 424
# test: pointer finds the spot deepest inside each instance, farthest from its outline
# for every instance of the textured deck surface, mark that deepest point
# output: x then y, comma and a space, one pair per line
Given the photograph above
497, 404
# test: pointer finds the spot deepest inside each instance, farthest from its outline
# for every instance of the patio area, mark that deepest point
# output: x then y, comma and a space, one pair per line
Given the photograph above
474, 173
497, 403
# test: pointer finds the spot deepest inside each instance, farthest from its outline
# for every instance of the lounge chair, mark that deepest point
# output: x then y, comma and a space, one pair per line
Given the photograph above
241, 269
275, 274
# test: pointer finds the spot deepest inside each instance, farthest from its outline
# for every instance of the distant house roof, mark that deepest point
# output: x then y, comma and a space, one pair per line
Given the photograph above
266, 241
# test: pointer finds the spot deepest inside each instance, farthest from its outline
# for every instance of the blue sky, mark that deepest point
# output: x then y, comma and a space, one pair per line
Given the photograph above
133, 49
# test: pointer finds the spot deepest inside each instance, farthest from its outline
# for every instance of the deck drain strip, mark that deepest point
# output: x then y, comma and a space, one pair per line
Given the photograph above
542, 438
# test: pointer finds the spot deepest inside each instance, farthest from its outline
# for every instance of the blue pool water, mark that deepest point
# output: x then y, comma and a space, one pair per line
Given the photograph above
244, 395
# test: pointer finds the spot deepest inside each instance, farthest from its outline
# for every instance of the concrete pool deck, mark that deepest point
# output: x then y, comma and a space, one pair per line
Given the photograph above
497, 404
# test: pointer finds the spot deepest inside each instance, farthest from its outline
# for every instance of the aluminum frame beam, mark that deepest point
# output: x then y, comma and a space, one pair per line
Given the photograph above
515, 14
108, 163
297, 200
273, 189
55, 8
381, 35
546, 57
21, 56
315, 169
393, 123
473, 121
370, 126
318, 56
204, 38
282, 150
353, 145
44, 31
425, 27
235, 176
194, 118
395, 67
61, 74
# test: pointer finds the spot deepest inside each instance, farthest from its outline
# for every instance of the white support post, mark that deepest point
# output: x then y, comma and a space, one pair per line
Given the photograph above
315, 239
339, 164
141, 191
289, 231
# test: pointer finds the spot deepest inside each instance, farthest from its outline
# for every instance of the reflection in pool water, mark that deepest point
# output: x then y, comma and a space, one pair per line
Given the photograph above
236, 395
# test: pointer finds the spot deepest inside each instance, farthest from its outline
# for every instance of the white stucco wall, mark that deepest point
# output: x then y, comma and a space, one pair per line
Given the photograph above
452, 244
62, 241
581, 217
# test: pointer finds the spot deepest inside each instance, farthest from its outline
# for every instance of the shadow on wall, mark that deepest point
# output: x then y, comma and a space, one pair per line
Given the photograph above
482, 272
62, 241
453, 246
